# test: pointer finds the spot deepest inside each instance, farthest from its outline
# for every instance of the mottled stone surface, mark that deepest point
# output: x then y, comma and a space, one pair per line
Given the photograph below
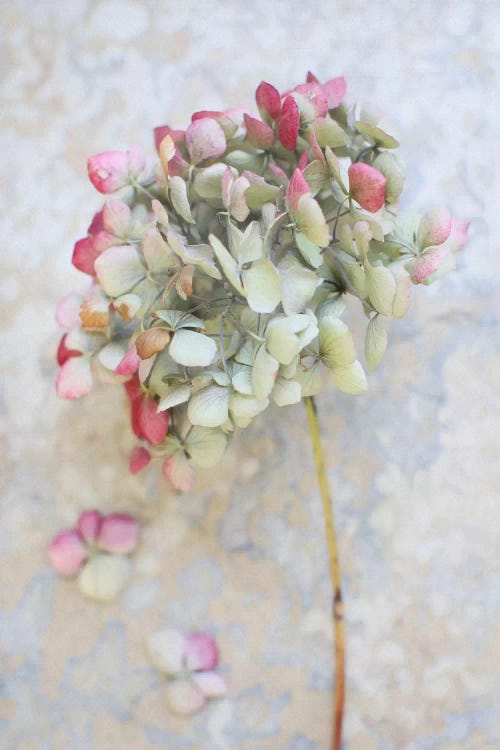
414, 463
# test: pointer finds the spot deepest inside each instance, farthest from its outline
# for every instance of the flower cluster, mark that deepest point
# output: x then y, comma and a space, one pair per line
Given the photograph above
189, 663
219, 278
96, 551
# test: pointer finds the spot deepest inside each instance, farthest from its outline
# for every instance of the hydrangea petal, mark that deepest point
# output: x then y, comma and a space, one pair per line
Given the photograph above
139, 459
179, 472
184, 697
130, 362
211, 684
201, 652
89, 524
84, 256
119, 269
108, 171
192, 349
434, 228
268, 100
166, 649
262, 284
288, 123
367, 186
67, 553
74, 379
153, 425
459, 233
119, 534
297, 187
63, 353
259, 133
429, 263
104, 576
208, 407
205, 139
334, 90
68, 311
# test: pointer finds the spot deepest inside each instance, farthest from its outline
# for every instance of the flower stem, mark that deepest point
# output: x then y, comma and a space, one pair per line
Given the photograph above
338, 615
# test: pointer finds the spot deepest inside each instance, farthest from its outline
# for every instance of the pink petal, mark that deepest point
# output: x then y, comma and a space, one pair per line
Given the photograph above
297, 187
268, 100
459, 233
97, 224
68, 311
367, 186
130, 363
288, 123
75, 378
258, 133
108, 171
133, 389
67, 553
179, 472
334, 90
84, 255
159, 134
139, 459
89, 524
429, 263
311, 78
152, 423
279, 174
116, 217
184, 697
434, 228
214, 114
63, 353
211, 684
302, 162
316, 95
119, 534
201, 652
205, 139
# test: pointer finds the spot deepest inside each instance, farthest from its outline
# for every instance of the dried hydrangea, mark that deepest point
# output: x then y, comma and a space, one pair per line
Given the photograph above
220, 274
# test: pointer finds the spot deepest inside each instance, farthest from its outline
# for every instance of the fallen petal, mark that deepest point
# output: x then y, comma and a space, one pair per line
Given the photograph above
104, 576
166, 649
89, 524
201, 652
184, 697
119, 534
67, 553
211, 684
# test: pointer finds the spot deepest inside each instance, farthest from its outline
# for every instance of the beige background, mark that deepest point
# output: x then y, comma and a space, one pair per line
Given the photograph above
414, 463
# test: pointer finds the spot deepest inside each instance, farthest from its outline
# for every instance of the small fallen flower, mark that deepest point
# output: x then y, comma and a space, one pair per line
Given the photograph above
96, 551
189, 663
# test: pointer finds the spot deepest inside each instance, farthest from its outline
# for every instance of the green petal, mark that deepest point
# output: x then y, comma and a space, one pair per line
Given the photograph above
351, 378
309, 251
209, 407
336, 346
381, 288
264, 373
177, 190
206, 446
281, 341
329, 133
262, 284
179, 394
311, 221
298, 285
379, 136
119, 269
375, 343
192, 349
176, 319
228, 264
286, 392
245, 408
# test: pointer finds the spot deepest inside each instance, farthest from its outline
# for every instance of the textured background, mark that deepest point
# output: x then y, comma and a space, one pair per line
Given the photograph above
414, 463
